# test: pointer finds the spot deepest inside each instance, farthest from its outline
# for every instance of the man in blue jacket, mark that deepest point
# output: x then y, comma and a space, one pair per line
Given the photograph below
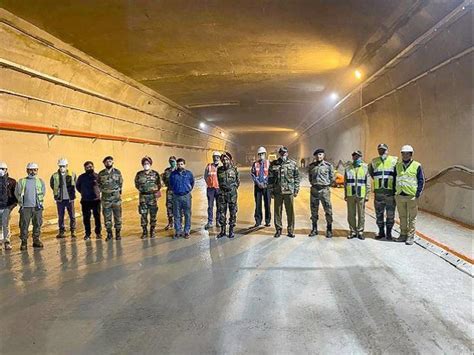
182, 183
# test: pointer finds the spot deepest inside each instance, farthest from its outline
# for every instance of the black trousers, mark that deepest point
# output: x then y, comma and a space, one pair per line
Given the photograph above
262, 194
91, 208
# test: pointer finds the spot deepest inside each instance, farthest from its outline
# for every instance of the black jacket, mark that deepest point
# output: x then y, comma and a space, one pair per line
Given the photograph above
88, 186
7, 192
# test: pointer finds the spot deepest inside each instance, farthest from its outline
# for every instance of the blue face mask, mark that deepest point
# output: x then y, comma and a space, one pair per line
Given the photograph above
173, 164
358, 162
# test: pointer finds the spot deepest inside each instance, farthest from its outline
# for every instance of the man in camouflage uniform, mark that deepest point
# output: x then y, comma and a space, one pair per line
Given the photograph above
229, 182
169, 192
284, 184
110, 184
382, 171
321, 176
148, 183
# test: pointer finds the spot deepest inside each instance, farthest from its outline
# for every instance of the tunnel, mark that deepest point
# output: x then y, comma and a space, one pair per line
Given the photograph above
128, 79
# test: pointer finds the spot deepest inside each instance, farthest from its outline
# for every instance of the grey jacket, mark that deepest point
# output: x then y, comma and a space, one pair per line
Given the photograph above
321, 174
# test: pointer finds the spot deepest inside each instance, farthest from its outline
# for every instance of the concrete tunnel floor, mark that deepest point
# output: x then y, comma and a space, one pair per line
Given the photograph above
253, 294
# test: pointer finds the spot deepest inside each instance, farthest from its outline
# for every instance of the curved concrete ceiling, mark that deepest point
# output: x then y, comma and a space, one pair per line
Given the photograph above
244, 65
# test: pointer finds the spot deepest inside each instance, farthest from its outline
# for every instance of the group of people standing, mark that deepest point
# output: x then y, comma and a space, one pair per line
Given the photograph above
396, 184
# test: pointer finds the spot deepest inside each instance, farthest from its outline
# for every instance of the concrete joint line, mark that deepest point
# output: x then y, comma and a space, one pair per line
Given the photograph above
458, 260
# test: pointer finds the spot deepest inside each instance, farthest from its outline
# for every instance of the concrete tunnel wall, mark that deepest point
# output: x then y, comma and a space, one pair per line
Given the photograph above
432, 113
48, 83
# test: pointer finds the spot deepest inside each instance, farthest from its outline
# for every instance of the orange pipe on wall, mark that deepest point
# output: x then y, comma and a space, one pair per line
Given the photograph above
22, 127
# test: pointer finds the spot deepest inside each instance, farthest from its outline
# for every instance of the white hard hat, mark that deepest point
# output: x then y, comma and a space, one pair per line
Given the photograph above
62, 162
261, 150
32, 166
216, 153
407, 149
3, 165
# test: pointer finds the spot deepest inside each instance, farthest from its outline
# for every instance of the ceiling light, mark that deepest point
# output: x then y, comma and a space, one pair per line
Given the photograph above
334, 96
202, 125
222, 134
358, 74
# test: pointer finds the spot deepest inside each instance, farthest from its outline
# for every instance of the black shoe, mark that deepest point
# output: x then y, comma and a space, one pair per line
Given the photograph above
329, 231
117, 235
109, 236
351, 236
73, 234
87, 237
388, 236
186, 235
222, 233
268, 225
381, 233
208, 226
277, 233
314, 230
24, 245
98, 236
231, 232
144, 233
170, 224
37, 243
291, 235
361, 236
152, 232
61, 235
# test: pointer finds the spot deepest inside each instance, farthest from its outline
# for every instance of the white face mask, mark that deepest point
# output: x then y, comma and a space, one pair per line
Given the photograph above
2, 172
62, 169
146, 167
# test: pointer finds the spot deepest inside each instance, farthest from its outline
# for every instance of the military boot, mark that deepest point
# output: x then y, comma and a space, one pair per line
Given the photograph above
277, 233
144, 233
329, 231
109, 235
37, 243
410, 240
360, 235
291, 235
60, 234
314, 230
381, 233
24, 245
170, 224
222, 233
152, 232
117, 234
388, 236
231, 232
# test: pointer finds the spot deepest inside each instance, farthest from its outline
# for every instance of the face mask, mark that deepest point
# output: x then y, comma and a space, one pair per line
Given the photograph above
173, 164
358, 162
62, 169
32, 174
384, 156
147, 167
90, 171
2, 172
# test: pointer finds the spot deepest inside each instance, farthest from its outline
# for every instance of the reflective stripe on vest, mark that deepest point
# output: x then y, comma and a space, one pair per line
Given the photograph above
266, 165
384, 171
356, 181
211, 179
406, 181
39, 191
56, 181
